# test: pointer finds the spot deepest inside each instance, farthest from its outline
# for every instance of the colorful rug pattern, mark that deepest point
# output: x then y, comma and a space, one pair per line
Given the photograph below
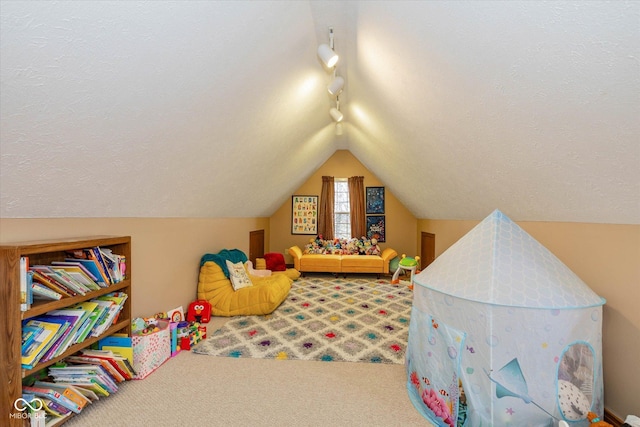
326, 319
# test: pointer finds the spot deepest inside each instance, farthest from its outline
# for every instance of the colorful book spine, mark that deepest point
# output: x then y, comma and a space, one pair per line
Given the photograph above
24, 268
40, 291
54, 396
42, 342
39, 277
97, 255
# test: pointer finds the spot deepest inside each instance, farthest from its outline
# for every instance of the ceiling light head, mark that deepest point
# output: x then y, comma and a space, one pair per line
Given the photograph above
336, 115
328, 56
336, 86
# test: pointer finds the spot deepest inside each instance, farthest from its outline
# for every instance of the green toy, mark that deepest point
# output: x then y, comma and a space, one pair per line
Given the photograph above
406, 264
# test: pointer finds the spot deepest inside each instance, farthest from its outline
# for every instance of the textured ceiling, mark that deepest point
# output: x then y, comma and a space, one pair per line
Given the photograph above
219, 109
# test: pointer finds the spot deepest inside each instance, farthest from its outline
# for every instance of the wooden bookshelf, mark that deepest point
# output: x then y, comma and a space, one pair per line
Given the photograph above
44, 252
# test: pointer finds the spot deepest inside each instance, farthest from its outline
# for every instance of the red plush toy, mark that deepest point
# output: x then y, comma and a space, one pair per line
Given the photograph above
199, 311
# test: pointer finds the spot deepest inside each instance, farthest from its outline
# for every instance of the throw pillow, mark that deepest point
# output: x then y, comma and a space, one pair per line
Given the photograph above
275, 261
238, 275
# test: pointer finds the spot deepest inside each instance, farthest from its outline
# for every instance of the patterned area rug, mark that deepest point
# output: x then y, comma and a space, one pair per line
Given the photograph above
344, 320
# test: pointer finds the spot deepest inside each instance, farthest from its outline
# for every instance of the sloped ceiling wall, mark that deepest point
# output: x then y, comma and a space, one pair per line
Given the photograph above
219, 109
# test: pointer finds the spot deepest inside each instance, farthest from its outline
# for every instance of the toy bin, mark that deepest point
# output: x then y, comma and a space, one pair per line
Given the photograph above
151, 350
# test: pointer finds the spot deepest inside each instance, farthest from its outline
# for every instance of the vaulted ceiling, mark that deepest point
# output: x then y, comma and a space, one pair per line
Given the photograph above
220, 109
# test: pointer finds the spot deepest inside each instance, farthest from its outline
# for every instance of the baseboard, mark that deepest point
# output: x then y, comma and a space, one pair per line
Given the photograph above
612, 419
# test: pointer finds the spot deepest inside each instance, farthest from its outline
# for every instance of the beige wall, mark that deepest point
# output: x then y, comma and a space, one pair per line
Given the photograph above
401, 225
165, 252
607, 258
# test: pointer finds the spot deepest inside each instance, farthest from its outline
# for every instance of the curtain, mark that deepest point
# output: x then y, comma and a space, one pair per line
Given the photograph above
356, 206
325, 212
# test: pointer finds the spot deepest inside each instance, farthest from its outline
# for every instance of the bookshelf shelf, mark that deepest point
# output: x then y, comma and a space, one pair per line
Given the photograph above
44, 252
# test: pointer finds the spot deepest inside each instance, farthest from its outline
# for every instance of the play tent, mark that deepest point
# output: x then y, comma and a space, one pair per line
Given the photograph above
502, 333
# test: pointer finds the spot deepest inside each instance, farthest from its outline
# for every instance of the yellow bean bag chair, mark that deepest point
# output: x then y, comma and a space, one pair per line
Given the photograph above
262, 297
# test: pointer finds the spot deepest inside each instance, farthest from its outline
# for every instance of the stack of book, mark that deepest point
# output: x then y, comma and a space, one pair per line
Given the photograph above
77, 381
48, 336
112, 266
81, 272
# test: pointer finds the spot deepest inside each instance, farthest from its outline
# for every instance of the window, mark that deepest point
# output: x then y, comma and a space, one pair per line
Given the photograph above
341, 209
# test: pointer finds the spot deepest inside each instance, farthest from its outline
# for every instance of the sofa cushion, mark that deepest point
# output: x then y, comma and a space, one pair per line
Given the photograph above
356, 263
321, 263
261, 264
275, 261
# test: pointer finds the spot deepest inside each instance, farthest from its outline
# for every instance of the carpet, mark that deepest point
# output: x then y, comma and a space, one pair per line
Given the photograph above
325, 319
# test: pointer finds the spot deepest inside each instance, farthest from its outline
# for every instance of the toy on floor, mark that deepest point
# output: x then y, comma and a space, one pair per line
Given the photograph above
199, 311
406, 264
596, 421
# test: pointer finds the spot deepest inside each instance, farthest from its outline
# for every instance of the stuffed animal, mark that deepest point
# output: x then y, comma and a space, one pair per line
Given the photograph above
373, 248
596, 422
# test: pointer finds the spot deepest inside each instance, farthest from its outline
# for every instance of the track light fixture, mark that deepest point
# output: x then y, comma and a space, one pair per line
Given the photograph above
330, 59
335, 87
336, 114
328, 56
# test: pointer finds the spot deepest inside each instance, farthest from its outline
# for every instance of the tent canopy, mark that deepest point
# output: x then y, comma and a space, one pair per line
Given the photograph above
497, 262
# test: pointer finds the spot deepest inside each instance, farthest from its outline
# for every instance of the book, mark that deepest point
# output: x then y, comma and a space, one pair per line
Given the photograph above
108, 367
64, 329
87, 392
90, 254
41, 343
80, 316
70, 281
29, 289
54, 408
70, 262
68, 391
102, 262
88, 382
24, 267
92, 267
54, 277
120, 363
77, 274
40, 291
119, 298
39, 277
29, 334
91, 319
109, 310
114, 263
88, 372
54, 396
119, 344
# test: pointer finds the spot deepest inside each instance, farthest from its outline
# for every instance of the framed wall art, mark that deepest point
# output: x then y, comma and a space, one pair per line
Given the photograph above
375, 200
376, 227
304, 214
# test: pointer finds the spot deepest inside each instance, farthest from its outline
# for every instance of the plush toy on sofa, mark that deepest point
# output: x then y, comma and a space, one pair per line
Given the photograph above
373, 248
